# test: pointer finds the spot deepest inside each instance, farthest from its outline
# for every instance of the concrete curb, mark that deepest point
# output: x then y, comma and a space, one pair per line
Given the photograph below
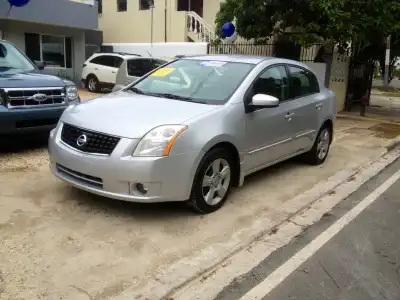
393, 144
172, 278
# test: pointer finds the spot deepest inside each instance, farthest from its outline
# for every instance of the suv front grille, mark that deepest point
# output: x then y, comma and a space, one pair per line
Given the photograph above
34, 97
88, 141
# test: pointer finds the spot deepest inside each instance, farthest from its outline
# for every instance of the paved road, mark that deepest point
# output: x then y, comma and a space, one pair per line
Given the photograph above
360, 262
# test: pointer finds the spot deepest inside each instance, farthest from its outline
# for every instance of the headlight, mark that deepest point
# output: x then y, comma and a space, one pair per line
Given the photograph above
158, 142
72, 93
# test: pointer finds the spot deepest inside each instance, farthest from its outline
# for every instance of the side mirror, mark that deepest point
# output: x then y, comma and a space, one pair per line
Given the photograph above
262, 100
39, 64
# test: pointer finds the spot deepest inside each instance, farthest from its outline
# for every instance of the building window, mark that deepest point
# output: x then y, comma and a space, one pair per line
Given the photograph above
53, 51
145, 4
122, 5
100, 6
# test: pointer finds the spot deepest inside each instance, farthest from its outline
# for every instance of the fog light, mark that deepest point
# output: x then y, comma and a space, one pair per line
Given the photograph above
141, 188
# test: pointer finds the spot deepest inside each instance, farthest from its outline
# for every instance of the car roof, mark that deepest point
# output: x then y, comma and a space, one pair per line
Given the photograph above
117, 54
249, 59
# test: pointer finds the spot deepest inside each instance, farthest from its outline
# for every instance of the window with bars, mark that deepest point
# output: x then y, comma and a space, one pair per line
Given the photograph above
122, 5
145, 4
100, 6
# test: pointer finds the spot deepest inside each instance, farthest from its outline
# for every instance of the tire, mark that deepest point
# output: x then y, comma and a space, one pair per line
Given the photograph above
320, 150
93, 84
216, 172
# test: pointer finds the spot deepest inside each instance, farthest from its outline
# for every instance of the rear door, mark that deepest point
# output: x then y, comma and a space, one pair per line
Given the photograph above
307, 104
103, 66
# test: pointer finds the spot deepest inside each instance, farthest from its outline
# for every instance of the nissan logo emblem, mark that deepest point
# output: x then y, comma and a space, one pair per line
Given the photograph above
39, 97
81, 140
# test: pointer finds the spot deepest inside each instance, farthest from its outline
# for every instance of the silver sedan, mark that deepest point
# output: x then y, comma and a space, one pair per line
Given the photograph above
192, 129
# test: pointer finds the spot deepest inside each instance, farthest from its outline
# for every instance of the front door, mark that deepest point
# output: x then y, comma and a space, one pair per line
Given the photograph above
269, 131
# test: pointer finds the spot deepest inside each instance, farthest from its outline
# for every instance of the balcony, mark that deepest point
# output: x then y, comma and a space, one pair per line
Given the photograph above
68, 13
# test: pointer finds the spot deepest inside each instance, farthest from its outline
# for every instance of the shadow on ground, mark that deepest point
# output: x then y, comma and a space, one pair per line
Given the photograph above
21, 143
85, 201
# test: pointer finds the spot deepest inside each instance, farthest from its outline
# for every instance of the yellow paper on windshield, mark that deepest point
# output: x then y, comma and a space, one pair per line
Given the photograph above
162, 72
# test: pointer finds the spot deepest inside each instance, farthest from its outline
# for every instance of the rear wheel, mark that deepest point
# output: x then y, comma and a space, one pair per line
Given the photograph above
319, 152
93, 84
212, 182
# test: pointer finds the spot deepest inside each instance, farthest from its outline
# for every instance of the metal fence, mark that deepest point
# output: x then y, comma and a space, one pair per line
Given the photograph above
283, 50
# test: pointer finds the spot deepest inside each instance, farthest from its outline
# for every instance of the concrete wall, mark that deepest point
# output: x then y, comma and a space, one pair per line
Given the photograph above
56, 12
134, 25
339, 78
210, 9
169, 50
15, 33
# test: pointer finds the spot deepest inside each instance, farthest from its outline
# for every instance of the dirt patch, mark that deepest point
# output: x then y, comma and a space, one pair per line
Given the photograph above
386, 130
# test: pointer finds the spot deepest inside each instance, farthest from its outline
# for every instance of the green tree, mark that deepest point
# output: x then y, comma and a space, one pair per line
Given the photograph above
335, 21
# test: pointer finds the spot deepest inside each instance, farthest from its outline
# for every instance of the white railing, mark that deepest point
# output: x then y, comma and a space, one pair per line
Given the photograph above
200, 28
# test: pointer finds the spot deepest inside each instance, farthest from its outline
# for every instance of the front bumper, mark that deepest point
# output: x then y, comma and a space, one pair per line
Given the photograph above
118, 175
23, 120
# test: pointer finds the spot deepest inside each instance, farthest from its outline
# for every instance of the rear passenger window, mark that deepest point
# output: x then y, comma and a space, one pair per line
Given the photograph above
139, 67
302, 82
117, 61
158, 63
103, 60
273, 82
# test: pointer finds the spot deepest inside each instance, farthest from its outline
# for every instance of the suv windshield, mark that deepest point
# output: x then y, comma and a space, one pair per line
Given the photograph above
12, 61
209, 82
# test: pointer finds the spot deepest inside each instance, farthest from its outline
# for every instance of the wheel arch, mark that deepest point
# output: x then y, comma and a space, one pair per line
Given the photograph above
329, 124
229, 145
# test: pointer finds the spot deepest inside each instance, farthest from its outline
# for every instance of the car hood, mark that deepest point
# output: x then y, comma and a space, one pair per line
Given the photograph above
31, 79
130, 115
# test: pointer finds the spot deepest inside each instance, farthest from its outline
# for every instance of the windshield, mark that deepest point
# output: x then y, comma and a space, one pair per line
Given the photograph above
12, 60
208, 82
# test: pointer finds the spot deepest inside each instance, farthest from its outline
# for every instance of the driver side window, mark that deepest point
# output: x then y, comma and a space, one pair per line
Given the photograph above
274, 82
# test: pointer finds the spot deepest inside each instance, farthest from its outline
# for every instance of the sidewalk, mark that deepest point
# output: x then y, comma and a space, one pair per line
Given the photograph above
383, 106
86, 95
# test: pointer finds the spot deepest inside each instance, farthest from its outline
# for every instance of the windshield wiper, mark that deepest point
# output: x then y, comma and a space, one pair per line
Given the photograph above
176, 97
137, 91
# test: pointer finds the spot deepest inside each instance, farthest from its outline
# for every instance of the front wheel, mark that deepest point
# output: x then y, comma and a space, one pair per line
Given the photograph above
93, 84
212, 182
319, 152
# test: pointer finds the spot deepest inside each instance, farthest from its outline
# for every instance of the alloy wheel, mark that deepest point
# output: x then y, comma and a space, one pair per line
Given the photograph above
216, 181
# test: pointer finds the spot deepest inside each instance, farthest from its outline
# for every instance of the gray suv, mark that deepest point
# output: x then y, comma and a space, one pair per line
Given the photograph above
29, 99
192, 129
133, 68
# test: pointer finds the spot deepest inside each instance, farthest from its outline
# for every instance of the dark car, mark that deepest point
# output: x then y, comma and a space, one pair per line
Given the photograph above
29, 99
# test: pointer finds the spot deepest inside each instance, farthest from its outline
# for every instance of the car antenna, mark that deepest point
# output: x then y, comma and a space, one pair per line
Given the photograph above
150, 56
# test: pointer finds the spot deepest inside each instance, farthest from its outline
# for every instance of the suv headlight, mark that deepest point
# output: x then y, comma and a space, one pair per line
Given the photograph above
159, 141
2, 97
72, 93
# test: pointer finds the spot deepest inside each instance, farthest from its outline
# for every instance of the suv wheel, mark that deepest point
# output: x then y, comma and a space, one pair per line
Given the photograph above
93, 84
212, 182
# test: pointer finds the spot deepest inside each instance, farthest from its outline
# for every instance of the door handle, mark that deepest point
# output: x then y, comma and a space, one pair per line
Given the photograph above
96, 69
319, 106
113, 72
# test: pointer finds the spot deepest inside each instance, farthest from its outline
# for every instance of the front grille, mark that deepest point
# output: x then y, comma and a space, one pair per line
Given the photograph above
92, 180
97, 143
34, 97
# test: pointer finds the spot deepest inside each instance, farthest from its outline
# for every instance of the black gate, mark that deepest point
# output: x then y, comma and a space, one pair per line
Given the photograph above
360, 83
